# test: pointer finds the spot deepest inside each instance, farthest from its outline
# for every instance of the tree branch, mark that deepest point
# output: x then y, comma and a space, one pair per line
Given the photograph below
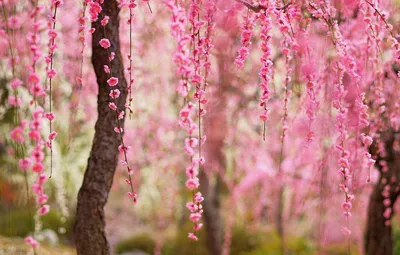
253, 7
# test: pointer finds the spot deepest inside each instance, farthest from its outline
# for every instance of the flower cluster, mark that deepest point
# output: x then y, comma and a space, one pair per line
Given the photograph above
341, 123
35, 163
51, 73
387, 202
265, 73
131, 6
120, 114
181, 56
94, 9
247, 33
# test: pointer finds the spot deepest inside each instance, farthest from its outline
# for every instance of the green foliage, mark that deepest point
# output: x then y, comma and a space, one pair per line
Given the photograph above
16, 223
244, 241
396, 241
181, 244
20, 223
17, 246
272, 245
341, 249
142, 242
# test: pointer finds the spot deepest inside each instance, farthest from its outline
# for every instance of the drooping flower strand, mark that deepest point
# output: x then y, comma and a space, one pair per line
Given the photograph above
363, 122
207, 42
51, 73
82, 29
265, 73
312, 104
35, 162
131, 5
190, 143
345, 63
395, 43
181, 56
77, 86
183, 62
344, 164
247, 32
17, 133
114, 95
14, 100
33, 38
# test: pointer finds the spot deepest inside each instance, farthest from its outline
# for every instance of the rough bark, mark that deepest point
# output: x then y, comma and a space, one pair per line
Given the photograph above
89, 234
378, 236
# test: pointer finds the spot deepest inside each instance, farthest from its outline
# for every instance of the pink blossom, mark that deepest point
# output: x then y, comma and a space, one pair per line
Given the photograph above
112, 81
17, 134
50, 116
42, 198
14, 101
25, 163
198, 198
112, 56
14, 22
51, 73
94, 10
346, 206
106, 69
387, 202
105, 20
34, 135
367, 140
198, 226
52, 135
192, 183
112, 106
38, 167
15, 83
193, 236
132, 194
115, 93
195, 217
105, 43
44, 209
191, 172
387, 213
191, 206
42, 178
52, 34
37, 188
31, 241
118, 130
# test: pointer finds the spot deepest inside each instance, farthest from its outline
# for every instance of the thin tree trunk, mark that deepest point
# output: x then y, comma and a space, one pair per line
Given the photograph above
89, 233
215, 126
212, 217
378, 236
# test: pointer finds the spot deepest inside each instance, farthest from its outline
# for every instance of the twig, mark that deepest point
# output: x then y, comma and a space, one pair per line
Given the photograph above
253, 7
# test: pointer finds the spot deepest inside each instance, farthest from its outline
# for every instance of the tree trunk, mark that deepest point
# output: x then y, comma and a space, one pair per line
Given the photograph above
89, 233
212, 217
378, 236
215, 124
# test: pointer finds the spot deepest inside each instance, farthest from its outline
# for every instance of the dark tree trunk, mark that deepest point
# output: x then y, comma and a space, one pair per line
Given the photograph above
212, 217
89, 234
378, 236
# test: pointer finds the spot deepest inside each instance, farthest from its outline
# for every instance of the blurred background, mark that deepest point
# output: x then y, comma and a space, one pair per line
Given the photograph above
265, 193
